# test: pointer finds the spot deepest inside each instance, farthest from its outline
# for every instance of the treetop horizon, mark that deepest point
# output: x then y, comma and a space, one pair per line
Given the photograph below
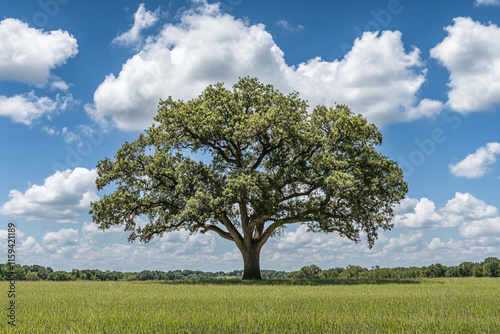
273, 164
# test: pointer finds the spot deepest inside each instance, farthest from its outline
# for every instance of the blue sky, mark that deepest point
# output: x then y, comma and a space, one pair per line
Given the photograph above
77, 79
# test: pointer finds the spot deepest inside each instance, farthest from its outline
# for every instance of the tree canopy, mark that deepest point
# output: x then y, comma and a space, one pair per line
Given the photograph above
273, 163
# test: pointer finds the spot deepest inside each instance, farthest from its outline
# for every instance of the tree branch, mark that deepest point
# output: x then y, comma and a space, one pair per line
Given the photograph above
265, 151
223, 155
309, 150
258, 230
218, 230
269, 231
237, 238
247, 232
218, 149
286, 198
261, 219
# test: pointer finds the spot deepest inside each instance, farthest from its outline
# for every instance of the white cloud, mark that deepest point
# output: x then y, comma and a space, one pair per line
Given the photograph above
86, 130
63, 197
28, 55
4, 235
143, 19
487, 2
62, 238
181, 242
50, 130
436, 244
463, 210
59, 84
404, 243
82, 248
413, 213
476, 164
287, 26
299, 248
70, 136
425, 108
26, 108
481, 228
471, 53
31, 247
92, 229
376, 78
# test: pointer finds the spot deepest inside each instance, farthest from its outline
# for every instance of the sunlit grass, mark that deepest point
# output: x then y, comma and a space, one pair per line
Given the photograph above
434, 305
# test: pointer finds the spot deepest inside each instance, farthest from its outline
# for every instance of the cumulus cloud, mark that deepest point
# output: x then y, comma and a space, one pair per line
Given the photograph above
61, 238
301, 240
481, 228
465, 208
143, 19
32, 247
28, 55
377, 78
476, 164
487, 2
85, 248
62, 198
92, 229
58, 84
414, 213
464, 211
27, 108
425, 108
471, 53
4, 235
404, 243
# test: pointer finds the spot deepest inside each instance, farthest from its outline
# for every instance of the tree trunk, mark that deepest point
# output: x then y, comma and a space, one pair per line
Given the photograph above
251, 262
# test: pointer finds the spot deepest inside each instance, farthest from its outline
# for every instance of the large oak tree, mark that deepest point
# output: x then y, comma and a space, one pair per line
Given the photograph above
273, 163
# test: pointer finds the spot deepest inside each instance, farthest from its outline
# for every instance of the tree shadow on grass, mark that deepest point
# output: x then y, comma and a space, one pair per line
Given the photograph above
292, 282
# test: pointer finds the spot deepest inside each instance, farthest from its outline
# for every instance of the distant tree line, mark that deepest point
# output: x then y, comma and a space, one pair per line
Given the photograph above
490, 267
40, 273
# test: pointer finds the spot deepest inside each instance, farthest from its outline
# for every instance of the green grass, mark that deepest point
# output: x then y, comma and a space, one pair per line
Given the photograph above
462, 305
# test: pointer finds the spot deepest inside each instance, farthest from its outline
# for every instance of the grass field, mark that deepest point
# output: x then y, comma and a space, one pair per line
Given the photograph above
462, 305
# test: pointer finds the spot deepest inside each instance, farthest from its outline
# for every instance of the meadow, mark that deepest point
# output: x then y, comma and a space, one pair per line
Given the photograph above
445, 305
